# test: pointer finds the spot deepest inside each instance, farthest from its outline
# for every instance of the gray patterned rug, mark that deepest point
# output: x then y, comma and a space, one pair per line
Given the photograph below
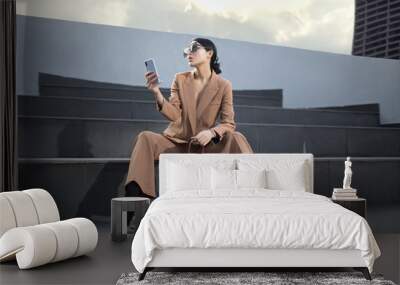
230, 278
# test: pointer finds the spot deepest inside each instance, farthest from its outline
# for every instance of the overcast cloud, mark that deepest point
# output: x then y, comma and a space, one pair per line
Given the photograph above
325, 25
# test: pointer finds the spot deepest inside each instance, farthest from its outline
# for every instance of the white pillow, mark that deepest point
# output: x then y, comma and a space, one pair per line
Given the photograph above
293, 180
282, 174
223, 179
230, 179
188, 177
256, 178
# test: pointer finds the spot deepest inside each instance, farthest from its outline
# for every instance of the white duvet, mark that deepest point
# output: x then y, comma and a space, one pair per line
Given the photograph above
251, 218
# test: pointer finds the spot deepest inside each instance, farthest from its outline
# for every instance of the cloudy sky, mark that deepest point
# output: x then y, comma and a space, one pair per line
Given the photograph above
324, 25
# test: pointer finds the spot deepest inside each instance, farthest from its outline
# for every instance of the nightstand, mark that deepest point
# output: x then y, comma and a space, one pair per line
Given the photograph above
358, 205
119, 208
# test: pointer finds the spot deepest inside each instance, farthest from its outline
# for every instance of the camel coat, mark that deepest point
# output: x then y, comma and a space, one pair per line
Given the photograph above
187, 117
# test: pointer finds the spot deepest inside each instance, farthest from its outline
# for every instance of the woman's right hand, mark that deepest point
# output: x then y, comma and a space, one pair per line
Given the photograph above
152, 84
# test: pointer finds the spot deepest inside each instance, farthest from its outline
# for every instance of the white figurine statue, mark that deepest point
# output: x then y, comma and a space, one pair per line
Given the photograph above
347, 174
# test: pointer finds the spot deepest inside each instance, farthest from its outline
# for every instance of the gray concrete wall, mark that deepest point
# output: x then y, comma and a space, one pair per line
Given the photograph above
116, 54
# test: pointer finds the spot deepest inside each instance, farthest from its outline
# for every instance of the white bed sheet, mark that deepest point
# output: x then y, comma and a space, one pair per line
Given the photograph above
250, 218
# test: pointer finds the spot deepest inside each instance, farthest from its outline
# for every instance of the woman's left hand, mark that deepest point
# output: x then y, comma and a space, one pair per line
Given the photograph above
204, 137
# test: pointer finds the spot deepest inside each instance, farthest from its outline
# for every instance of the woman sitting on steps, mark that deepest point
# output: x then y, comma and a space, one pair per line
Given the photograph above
198, 97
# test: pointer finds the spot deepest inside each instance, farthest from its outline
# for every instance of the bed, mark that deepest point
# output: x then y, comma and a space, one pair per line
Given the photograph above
247, 210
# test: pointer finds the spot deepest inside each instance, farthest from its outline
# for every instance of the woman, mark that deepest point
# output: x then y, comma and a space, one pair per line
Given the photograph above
197, 98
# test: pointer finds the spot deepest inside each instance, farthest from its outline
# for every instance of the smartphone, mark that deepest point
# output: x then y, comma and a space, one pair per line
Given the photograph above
151, 66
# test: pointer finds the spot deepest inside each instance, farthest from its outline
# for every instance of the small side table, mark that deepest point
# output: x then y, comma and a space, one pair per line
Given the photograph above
358, 205
119, 208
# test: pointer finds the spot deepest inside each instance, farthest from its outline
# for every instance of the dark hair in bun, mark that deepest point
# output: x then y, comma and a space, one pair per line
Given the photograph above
209, 45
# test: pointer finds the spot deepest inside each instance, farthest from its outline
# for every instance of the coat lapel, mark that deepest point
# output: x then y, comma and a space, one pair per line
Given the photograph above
195, 109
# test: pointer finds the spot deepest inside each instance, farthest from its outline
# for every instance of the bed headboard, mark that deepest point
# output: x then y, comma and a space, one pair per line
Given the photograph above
212, 158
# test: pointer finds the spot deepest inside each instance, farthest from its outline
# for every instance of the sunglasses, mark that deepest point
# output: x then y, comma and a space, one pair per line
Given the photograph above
193, 47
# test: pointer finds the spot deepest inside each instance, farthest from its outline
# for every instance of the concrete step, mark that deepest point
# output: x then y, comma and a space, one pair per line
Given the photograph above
53, 85
41, 136
85, 186
145, 109
390, 125
239, 96
372, 107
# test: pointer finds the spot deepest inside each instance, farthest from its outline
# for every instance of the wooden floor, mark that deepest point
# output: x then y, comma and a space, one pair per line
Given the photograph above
111, 259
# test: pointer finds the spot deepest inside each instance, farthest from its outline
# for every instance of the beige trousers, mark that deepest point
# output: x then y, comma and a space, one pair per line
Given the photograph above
148, 145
